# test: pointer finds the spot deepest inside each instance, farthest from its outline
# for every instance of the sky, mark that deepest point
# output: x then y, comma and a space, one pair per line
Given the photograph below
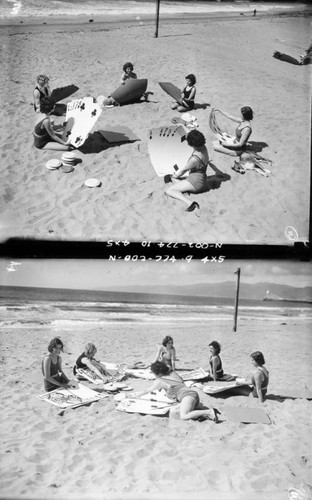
99, 274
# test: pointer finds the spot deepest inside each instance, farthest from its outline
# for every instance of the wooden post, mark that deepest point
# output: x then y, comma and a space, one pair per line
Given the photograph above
157, 18
238, 271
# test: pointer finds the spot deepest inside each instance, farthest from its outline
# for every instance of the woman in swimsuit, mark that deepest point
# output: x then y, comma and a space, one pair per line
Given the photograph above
167, 353
126, 75
216, 370
41, 90
53, 375
86, 361
260, 377
196, 166
176, 389
44, 135
187, 95
235, 146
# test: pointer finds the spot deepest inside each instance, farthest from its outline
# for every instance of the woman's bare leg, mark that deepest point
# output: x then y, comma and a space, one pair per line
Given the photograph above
56, 146
221, 149
187, 411
178, 188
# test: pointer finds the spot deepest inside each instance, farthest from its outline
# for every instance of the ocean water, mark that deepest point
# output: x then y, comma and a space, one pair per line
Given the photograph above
109, 9
30, 308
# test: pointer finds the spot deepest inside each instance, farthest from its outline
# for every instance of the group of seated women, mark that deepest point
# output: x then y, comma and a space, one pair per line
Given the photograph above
189, 179
165, 372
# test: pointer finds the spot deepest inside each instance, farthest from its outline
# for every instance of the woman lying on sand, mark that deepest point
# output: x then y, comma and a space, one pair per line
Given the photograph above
176, 389
52, 371
260, 377
187, 95
167, 353
234, 146
44, 135
196, 166
86, 361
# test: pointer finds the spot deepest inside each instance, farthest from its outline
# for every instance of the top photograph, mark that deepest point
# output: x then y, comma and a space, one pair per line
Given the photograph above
181, 121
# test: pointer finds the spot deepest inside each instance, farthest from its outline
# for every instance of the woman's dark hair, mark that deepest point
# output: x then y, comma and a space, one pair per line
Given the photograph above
46, 105
216, 346
159, 368
166, 340
258, 357
54, 343
192, 78
195, 139
127, 65
247, 113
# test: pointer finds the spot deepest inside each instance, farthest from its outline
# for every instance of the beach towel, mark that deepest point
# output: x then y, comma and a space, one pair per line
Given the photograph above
71, 397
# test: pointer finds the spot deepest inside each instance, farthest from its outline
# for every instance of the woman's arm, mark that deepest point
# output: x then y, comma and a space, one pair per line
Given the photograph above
190, 97
158, 384
47, 125
93, 368
160, 349
123, 79
214, 362
173, 358
191, 163
37, 100
61, 370
227, 115
257, 382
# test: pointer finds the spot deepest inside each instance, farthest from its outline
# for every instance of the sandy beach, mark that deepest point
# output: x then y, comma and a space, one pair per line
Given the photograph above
232, 60
96, 452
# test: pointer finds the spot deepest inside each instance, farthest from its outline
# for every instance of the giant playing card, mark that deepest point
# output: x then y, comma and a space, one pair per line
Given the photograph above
167, 147
81, 116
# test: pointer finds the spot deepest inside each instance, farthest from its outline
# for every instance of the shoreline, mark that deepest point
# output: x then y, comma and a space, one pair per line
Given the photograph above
114, 21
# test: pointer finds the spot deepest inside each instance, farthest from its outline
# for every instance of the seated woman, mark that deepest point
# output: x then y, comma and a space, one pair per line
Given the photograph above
176, 389
167, 353
259, 378
126, 75
43, 90
44, 135
196, 166
215, 363
52, 371
234, 146
187, 95
86, 361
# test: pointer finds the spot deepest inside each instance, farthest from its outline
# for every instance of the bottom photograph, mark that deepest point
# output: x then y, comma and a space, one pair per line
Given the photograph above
158, 380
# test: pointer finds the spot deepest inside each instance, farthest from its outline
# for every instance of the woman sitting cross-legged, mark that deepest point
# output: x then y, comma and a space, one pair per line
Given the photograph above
45, 136
176, 389
86, 360
234, 146
197, 164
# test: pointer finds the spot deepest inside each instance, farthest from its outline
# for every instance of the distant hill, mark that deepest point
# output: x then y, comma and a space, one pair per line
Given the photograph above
208, 293
255, 291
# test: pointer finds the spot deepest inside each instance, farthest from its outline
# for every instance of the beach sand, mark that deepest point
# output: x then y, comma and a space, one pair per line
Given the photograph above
232, 60
97, 452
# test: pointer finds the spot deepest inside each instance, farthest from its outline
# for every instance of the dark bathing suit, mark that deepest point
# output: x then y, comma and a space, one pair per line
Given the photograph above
187, 93
55, 369
41, 135
219, 368
197, 175
264, 383
80, 364
42, 95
